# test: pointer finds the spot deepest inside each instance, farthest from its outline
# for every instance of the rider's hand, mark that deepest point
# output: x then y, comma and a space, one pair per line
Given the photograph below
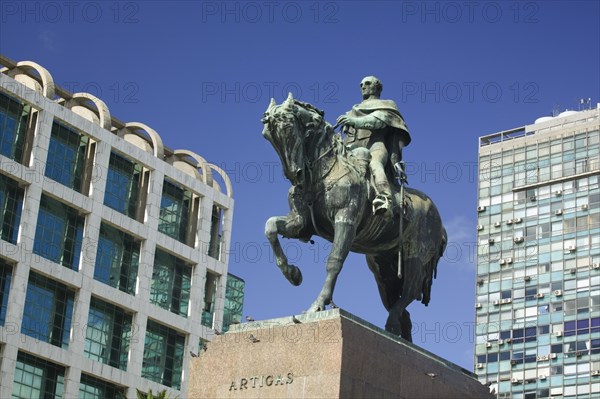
346, 120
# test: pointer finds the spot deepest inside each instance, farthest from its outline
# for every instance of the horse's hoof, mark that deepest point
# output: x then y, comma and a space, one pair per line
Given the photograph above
395, 329
294, 276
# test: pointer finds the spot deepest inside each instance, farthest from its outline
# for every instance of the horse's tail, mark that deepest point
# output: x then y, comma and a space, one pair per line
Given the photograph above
431, 269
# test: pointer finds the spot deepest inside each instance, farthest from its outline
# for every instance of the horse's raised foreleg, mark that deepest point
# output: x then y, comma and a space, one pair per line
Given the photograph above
288, 226
342, 241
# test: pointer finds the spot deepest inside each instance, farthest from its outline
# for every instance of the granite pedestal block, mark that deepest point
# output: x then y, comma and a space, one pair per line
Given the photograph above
330, 354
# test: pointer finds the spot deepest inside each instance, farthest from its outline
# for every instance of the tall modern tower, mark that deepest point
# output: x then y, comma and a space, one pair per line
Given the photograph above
538, 261
113, 250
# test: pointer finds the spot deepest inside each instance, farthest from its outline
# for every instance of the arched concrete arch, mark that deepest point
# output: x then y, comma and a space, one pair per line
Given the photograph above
221, 172
202, 164
48, 88
101, 108
157, 143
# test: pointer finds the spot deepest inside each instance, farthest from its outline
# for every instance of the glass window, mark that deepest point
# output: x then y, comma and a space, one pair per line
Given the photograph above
175, 207
48, 310
210, 293
67, 157
216, 232
11, 204
234, 301
5, 277
37, 378
14, 117
117, 259
93, 388
108, 334
59, 233
163, 355
123, 185
171, 280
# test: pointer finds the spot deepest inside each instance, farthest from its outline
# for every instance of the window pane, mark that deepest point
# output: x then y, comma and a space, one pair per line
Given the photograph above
117, 259
66, 156
37, 378
59, 233
13, 127
171, 280
174, 211
11, 204
48, 310
163, 355
108, 334
122, 185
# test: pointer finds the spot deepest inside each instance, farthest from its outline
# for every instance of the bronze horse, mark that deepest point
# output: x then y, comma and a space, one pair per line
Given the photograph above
331, 197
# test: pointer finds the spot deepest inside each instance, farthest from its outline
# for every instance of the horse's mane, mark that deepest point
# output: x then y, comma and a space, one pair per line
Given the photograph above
310, 107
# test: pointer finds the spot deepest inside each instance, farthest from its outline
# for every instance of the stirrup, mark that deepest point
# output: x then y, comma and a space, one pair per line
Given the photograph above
381, 204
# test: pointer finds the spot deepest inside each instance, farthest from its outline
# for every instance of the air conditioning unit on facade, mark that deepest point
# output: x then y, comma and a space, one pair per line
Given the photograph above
527, 278
509, 221
480, 208
513, 362
508, 340
517, 220
557, 292
539, 295
542, 358
496, 302
502, 261
558, 212
558, 333
479, 227
595, 266
497, 224
478, 305
479, 365
584, 207
572, 248
507, 300
552, 356
558, 193
500, 342
509, 260
519, 239
542, 377
488, 344
595, 373
490, 240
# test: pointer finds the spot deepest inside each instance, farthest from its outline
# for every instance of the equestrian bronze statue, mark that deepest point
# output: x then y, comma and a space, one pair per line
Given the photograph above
332, 196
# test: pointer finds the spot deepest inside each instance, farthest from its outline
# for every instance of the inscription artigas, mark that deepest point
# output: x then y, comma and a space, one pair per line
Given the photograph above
261, 381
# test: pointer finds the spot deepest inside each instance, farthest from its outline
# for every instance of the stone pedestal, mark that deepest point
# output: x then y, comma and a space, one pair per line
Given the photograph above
330, 354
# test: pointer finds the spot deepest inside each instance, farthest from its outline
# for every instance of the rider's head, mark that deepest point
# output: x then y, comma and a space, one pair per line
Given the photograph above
370, 87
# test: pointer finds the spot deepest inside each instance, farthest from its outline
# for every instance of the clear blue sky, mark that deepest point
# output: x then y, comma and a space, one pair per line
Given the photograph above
202, 74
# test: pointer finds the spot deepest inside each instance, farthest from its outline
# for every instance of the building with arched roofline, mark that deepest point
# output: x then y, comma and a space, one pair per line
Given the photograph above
114, 247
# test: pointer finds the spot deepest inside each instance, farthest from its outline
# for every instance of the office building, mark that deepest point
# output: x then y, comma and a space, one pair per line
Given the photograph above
113, 251
538, 274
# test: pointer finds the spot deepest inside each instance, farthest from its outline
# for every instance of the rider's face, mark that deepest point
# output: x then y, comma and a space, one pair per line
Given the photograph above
368, 87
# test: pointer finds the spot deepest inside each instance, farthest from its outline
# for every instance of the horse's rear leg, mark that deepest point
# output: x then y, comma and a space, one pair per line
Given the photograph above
287, 226
398, 321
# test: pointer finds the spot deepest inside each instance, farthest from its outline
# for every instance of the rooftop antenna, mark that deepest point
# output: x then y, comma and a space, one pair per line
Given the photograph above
555, 109
585, 103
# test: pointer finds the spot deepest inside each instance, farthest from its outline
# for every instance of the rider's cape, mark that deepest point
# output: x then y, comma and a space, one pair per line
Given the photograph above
384, 110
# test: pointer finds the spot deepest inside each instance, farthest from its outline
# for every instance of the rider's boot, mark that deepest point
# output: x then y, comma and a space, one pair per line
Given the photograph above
382, 203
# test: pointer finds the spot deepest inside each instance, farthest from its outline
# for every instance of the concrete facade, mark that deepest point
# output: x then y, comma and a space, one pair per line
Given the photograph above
30, 85
538, 274
329, 354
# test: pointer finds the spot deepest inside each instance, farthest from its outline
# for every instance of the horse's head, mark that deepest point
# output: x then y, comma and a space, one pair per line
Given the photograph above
290, 127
